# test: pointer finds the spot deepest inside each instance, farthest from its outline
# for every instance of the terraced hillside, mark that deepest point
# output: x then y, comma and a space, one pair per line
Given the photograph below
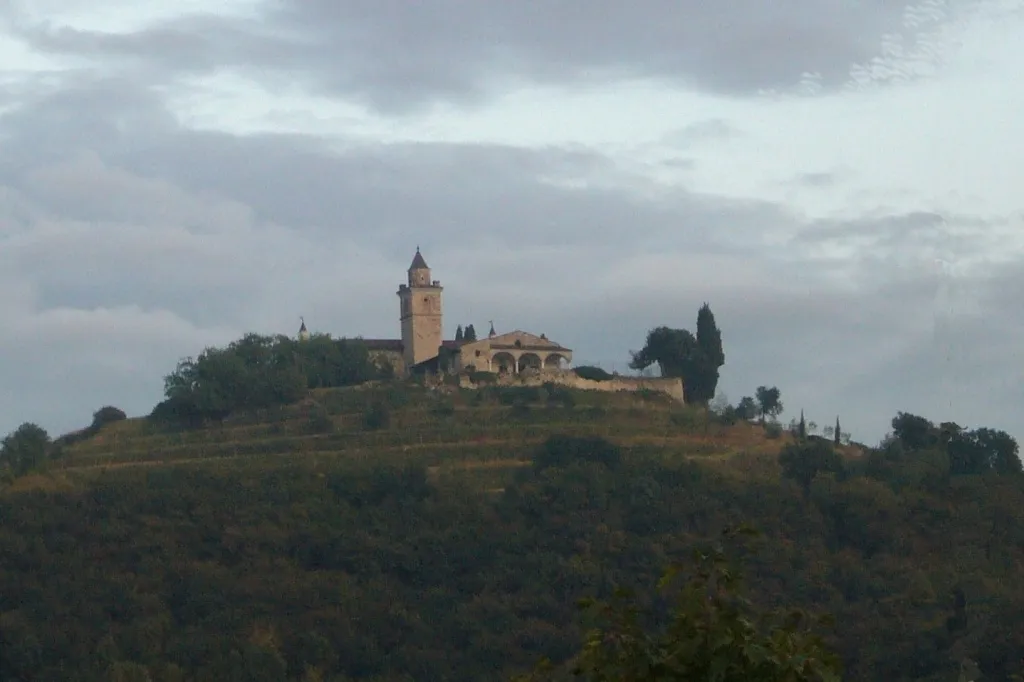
489, 431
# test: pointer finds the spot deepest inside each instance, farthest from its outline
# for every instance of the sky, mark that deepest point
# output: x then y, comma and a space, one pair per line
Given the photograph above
837, 179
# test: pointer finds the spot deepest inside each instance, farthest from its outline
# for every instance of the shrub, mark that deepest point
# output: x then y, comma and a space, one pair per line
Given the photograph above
772, 430
106, 415
562, 450
319, 421
592, 373
377, 416
443, 408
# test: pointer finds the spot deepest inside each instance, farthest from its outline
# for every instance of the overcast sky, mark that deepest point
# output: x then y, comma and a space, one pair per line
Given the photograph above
840, 180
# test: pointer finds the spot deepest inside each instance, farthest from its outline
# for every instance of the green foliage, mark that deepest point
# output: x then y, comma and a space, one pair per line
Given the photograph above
711, 633
969, 452
772, 430
458, 333
672, 349
24, 449
562, 450
803, 460
470, 333
377, 416
106, 415
746, 408
769, 402
559, 395
592, 373
678, 353
318, 421
256, 372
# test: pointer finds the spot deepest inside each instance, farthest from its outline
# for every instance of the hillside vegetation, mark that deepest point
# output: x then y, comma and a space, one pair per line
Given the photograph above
289, 513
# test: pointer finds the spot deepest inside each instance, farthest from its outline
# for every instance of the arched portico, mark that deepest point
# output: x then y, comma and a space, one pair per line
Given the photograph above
554, 361
504, 363
528, 360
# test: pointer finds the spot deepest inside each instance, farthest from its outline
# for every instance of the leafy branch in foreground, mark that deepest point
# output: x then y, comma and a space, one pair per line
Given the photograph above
713, 634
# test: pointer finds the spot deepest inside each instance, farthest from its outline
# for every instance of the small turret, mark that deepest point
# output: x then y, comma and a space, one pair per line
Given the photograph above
491, 333
303, 332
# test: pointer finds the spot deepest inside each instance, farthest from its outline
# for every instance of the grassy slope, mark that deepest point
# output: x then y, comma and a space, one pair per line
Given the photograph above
456, 433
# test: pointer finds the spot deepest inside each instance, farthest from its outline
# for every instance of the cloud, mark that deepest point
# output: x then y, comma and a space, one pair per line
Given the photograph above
131, 241
465, 52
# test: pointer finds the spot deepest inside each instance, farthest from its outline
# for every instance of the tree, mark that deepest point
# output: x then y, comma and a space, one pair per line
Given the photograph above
25, 448
712, 633
678, 353
804, 460
709, 356
802, 427
838, 431
469, 334
769, 402
914, 432
746, 408
458, 333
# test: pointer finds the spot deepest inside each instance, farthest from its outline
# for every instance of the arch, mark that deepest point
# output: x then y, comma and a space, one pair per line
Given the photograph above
554, 361
503, 363
529, 361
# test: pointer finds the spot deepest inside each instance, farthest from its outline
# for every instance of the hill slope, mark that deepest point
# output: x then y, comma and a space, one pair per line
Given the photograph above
391, 533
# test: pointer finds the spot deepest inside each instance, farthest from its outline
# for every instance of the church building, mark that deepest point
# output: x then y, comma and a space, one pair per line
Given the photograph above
423, 348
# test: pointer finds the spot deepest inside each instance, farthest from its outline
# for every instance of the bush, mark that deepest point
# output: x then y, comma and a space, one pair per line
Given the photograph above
377, 416
562, 450
319, 421
106, 415
443, 408
592, 373
772, 430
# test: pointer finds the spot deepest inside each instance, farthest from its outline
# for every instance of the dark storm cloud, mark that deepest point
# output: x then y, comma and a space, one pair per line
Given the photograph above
398, 55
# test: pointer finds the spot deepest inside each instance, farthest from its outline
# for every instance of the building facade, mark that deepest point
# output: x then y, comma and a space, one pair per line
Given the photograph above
422, 347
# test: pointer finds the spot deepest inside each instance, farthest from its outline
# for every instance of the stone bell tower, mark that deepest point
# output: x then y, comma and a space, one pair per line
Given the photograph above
420, 302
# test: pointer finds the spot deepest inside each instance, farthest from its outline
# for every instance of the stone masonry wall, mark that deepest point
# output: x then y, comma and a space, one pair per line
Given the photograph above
671, 387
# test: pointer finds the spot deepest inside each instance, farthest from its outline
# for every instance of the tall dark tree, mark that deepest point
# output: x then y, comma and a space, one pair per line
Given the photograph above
458, 333
469, 334
802, 427
838, 433
711, 355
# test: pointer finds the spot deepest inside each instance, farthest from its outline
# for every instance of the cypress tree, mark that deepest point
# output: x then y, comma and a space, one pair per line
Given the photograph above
837, 430
803, 426
710, 355
458, 333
